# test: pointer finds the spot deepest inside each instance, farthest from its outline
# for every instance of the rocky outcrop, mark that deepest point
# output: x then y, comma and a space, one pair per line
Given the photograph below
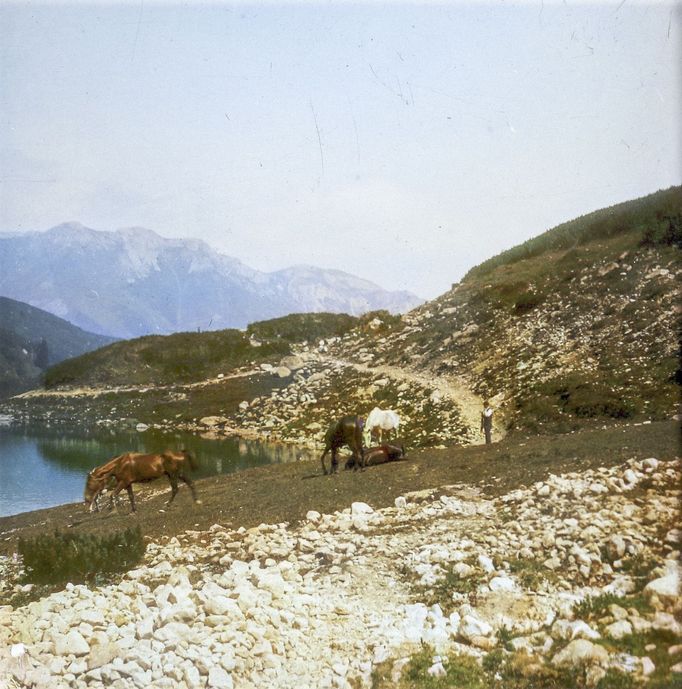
322, 603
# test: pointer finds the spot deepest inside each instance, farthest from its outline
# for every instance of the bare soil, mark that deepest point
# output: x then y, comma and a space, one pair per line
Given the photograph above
285, 492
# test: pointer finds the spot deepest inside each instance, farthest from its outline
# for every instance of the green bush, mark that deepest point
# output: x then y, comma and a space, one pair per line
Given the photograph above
576, 395
528, 301
60, 558
665, 230
297, 327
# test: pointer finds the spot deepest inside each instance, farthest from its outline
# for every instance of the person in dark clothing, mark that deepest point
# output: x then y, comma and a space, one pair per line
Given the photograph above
487, 422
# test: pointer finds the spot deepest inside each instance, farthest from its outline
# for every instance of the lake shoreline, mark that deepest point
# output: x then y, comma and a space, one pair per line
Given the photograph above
285, 492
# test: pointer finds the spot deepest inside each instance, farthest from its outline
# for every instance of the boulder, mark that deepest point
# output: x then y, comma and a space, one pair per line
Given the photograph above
358, 509
102, 654
218, 678
471, 627
619, 629
71, 642
666, 589
212, 421
581, 652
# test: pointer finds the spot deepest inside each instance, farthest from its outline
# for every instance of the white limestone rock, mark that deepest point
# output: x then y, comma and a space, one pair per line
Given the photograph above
580, 652
71, 643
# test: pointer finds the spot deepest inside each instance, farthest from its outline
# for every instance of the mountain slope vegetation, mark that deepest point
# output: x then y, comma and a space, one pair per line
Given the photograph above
190, 357
576, 324
32, 339
575, 328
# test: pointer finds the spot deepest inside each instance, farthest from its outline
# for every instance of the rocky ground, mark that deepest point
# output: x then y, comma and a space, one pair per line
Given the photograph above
311, 388
575, 576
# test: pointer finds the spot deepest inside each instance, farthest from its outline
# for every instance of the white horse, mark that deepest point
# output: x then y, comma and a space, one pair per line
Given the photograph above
380, 420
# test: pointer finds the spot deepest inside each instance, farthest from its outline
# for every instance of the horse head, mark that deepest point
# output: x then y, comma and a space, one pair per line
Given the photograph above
93, 486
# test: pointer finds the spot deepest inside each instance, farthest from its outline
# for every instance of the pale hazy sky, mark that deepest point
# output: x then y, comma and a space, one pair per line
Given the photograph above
402, 142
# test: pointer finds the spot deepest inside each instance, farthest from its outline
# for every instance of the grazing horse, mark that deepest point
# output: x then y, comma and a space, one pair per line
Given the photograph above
97, 482
135, 467
389, 452
380, 420
345, 431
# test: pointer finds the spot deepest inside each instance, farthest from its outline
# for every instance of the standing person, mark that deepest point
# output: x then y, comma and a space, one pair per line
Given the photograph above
487, 421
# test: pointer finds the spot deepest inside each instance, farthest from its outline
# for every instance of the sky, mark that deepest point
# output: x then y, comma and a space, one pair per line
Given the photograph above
401, 142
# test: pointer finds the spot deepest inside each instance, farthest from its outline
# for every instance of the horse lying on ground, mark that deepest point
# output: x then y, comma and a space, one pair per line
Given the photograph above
345, 431
135, 467
380, 421
388, 452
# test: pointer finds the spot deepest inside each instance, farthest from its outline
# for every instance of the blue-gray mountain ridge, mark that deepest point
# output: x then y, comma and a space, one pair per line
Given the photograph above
133, 282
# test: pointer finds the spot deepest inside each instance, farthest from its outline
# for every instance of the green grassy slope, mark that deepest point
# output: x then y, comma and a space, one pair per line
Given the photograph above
31, 338
653, 219
189, 357
578, 324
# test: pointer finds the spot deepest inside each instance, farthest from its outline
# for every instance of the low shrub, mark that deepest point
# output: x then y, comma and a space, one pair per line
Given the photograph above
297, 327
462, 672
596, 606
58, 558
527, 301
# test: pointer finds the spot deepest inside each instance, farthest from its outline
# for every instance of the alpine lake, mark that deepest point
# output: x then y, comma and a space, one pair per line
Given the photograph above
44, 467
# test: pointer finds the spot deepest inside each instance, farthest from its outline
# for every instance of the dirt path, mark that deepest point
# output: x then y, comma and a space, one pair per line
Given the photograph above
452, 388
143, 387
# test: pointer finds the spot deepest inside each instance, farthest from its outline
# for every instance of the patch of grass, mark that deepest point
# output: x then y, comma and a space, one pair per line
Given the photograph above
653, 219
531, 574
498, 670
597, 606
442, 591
616, 679
576, 394
300, 327
381, 676
177, 358
60, 558
504, 636
494, 661
528, 301
639, 568
636, 645
462, 672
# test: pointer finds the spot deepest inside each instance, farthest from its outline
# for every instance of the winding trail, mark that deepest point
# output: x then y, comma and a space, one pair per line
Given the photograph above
452, 388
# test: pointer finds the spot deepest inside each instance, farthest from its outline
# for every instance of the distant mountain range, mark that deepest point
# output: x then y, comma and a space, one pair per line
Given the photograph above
32, 339
133, 282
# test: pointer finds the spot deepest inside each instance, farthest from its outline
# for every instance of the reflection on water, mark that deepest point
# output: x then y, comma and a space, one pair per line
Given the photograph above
44, 468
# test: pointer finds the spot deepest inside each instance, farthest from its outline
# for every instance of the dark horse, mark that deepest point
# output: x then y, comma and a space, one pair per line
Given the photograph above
135, 467
345, 431
388, 452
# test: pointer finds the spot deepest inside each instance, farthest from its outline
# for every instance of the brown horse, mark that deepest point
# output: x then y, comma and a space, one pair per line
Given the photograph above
388, 452
345, 431
97, 481
135, 467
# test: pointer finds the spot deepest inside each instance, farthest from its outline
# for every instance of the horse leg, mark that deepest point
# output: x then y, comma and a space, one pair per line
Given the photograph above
115, 492
359, 454
324, 468
174, 487
335, 460
131, 496
184, 478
